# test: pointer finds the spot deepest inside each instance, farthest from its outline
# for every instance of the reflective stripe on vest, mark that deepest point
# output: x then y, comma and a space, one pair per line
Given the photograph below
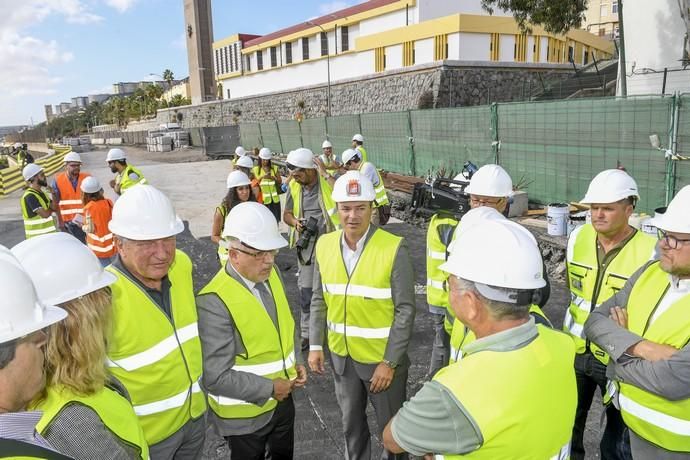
380, 189
436, 253
582, 266
70, 203
325, 200
268, 186
360, 306
126, 182
37, 225
527, 428
270, 350
156, 359
100, 240
659, 420
114, 411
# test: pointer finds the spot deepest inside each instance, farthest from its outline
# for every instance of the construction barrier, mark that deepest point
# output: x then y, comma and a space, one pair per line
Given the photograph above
11, 179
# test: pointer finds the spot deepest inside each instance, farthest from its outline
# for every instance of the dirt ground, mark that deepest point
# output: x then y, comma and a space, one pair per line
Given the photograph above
195, 185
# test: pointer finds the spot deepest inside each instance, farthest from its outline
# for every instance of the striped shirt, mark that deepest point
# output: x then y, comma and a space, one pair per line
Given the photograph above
21, 426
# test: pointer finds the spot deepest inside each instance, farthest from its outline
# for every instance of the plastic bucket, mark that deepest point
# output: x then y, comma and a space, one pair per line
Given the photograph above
557, 218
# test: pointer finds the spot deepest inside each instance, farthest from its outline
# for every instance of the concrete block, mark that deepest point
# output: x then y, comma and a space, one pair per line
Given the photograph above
114, 141
519, 205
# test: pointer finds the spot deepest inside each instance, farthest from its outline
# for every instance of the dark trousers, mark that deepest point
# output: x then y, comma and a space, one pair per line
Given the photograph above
276, 438
590, 373
275, 210
440, 350
305, 307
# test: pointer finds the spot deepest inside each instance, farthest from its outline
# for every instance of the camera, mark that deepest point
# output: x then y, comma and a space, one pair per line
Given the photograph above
309, 230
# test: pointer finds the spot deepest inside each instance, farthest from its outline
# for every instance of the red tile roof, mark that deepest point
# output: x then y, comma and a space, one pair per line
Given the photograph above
366, 6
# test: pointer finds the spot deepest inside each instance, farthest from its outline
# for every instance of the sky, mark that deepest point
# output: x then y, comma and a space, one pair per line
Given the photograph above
53, 50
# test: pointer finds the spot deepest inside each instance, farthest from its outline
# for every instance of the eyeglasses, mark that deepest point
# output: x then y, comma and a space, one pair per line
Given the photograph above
257, 254
671, 240
484, 202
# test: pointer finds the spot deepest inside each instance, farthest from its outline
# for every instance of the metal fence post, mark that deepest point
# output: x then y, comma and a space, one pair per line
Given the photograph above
301, 140
280, 138
673, 146
495, 142
410, 137
261, 136
325, 123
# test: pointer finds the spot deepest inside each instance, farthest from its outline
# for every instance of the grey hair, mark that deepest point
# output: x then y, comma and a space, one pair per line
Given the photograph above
7, 350
499, 310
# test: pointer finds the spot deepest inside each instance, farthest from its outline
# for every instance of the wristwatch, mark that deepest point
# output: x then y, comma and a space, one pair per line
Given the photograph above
390, 364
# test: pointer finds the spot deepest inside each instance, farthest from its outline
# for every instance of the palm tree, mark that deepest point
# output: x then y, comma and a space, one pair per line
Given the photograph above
169, 77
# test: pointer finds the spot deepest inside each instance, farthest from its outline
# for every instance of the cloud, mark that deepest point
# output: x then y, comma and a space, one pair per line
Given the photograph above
330, 7
106, 89
120, 5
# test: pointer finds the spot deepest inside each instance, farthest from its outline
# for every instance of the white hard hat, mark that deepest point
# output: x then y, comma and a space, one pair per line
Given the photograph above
237, 178
31, 170
497, 253
90, 185
144, 213
265, 153
491, 180
21, 313
255, 226
676, 218
353, 186
72, 157
326, 144
473, 217
301, 158
358, 138
73, 271
349, 154
17, 145
245, 162
240, 151
114, 155
610, 186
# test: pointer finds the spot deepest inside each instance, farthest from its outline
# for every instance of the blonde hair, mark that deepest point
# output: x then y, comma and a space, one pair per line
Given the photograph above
76, 349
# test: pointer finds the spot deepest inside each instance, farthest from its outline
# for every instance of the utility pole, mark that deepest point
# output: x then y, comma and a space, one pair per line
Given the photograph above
621, 51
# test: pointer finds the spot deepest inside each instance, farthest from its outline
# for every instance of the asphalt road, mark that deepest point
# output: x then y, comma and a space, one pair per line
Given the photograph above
196, 188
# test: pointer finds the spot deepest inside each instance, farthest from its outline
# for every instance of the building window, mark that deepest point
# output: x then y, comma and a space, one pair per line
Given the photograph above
274, 57
537, 49
288, 53
571, 54
604, 10
440, 47
227, 59
585, 59
494, 48
260, 60
248, 63
520, 48
324, 44
408, 54
344, 38
217, 63
614, 8
380, 59
305, 49
228, 94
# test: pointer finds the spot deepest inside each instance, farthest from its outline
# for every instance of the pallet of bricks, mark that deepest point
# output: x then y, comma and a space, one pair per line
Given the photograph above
165, 141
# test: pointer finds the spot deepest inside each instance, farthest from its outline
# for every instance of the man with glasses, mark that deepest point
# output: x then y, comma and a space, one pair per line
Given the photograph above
154, 349
37, 208
126, 175
22, 375
352, 160
309, 200
252, 362
364, 303
645, 329
600, 257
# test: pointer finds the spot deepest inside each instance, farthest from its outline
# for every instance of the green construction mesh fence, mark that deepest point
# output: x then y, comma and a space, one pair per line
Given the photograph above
313, 133
683, 149
387, 140
250, 135
290, 135
555, 148
340, 131
271, 136
444, 139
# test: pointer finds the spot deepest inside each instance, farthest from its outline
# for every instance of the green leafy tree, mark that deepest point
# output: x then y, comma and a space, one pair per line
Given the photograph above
556, 16
178, 100
169, 77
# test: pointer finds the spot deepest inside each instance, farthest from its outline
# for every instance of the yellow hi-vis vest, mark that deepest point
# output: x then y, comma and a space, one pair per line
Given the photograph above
270, 352
360, 306
158, 361
436, 279
126, 182
37, 225
360, 148
660, 421
380, 190
327, 205
268, 186
496, 389
585, 292
115, 412
462, 335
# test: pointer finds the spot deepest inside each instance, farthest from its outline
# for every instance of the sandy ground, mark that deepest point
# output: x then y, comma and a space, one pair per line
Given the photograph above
196, 186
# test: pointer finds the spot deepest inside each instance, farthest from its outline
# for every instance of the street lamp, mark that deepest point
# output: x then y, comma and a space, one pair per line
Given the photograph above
328, 66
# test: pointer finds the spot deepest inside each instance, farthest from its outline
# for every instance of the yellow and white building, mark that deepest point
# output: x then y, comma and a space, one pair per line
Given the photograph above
382, 35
